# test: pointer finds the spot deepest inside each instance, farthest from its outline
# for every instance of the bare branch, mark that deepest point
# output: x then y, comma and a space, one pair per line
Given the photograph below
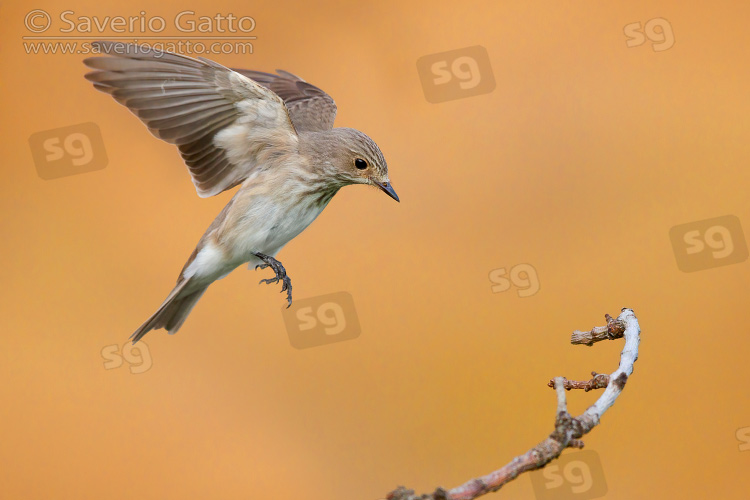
568, 430
599, 381
614, 330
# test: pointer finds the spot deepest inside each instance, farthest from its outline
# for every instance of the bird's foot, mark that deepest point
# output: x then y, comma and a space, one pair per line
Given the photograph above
275, 265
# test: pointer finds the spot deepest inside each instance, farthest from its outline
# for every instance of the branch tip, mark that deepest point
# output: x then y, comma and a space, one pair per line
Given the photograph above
599, 381
568, 430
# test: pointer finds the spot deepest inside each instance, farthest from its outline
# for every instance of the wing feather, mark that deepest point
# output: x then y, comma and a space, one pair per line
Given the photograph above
221, 121
310, 108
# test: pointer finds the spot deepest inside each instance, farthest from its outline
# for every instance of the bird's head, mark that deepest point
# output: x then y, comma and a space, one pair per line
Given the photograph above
358, 160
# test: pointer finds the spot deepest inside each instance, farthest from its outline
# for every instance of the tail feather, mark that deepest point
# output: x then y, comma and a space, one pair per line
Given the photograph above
182, 309
173, 311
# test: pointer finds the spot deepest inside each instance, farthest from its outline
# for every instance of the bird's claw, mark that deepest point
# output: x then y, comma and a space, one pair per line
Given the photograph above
275, 265
286, 286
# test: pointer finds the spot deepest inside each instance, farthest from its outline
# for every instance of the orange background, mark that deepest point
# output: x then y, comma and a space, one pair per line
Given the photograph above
579, 163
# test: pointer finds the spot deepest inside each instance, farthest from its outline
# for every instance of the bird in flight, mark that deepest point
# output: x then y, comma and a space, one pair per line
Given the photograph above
271, 134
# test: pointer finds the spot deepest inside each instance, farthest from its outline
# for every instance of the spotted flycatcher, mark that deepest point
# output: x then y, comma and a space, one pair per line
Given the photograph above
271, 134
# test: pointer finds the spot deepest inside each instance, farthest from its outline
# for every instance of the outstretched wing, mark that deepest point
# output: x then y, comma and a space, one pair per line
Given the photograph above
223, 123
311, 109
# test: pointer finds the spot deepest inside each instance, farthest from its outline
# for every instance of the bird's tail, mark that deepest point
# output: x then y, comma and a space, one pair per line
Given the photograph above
173, 311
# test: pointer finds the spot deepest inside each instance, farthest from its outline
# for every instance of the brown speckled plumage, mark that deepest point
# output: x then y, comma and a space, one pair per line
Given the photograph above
272, 134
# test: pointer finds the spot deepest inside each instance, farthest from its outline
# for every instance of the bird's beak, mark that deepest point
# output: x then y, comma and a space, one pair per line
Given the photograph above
387, 188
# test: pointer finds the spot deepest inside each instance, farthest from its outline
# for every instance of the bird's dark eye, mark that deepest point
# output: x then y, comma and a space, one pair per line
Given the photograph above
360, 163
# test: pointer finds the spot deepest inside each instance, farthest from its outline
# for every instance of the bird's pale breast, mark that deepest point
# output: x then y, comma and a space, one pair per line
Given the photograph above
271, 210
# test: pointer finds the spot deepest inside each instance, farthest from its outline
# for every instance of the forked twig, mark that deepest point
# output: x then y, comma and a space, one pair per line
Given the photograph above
568, 430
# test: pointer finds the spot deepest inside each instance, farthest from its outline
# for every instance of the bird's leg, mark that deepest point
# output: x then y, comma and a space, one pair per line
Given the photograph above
275, 265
